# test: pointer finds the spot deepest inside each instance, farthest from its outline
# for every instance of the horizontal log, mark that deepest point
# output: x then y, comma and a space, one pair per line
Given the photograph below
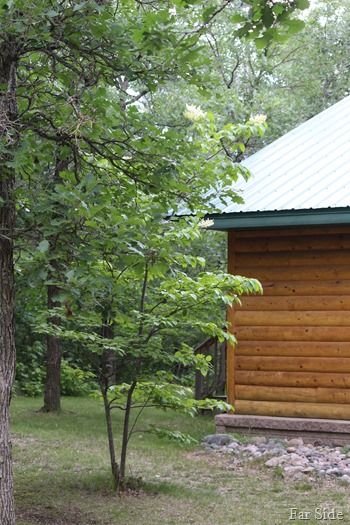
292, 303
287, 394
292, 348
297, 231
305, 287
292, 258
260, 243
291, 409
293, 379
276, 318
296, 273
293, 364
292, 333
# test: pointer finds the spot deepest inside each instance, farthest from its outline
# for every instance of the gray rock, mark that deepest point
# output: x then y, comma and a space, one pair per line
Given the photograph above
295, 442
259, 440
345, 478
218, 439
273, 462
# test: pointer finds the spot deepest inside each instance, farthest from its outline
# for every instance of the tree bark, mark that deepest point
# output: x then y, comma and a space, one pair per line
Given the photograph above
8, 138
112, 456
108, 377
7, 348
52, 397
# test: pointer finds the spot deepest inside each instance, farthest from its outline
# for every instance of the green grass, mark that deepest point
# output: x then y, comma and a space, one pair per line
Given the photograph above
62, 475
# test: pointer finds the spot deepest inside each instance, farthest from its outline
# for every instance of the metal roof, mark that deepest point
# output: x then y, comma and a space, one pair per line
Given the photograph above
301, 178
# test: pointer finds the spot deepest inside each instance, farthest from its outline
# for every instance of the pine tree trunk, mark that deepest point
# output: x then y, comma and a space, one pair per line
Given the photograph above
8, 138
52, 398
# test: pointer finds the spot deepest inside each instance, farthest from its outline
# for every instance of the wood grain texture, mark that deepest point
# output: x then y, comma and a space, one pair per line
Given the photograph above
291, 409
291, 303
278, 318
293, 348
295, 231
299, 287
293, 333
296, 258
297, 242
294, 364
293, 379
289, 394
296, 273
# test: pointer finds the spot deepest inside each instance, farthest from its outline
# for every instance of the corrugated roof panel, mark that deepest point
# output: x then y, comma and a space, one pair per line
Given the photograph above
308, 168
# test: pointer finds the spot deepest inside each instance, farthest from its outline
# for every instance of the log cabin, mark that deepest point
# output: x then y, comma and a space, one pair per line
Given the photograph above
290, 370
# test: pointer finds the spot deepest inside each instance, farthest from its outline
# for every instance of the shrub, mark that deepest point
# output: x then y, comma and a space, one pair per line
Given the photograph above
75, 381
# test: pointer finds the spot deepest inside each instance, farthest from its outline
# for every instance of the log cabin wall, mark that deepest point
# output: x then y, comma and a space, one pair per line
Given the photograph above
293, 353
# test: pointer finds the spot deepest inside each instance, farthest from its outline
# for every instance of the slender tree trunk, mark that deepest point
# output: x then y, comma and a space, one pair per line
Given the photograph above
108, 376
112, 456
52, 398
8, 138
125, 438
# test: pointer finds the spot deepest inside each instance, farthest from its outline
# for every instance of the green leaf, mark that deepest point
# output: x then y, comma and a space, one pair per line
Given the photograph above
207, 13
236, 19
267, 18
294, 26
52, 13
302, 4
80, 6
43, 246
262, 42
278, 9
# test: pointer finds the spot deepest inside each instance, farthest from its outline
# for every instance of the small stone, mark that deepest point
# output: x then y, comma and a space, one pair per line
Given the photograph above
273, 462
308, 469
259, 440
298, 476
233, 446
295, 442
275, 450
218, 439
345, 478
291, 449
298, 461
251, 449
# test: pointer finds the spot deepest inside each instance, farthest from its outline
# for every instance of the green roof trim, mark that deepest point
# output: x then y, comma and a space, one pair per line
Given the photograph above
274, 219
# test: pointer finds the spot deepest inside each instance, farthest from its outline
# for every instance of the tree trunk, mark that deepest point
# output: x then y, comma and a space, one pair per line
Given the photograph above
125, 438
107, 377
52, 398
7, 348
8, 138
112, 456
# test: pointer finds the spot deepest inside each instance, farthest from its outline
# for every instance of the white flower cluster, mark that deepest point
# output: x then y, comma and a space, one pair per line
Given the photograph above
258, 119
194, 113
205, 223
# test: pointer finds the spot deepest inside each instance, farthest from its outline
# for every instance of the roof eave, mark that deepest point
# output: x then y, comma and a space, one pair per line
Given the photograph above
283, 218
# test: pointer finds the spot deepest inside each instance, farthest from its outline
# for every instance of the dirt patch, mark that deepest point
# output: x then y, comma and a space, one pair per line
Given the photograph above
44, 516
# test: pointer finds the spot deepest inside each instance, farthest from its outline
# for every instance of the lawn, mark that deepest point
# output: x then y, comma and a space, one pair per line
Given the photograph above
61, 471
